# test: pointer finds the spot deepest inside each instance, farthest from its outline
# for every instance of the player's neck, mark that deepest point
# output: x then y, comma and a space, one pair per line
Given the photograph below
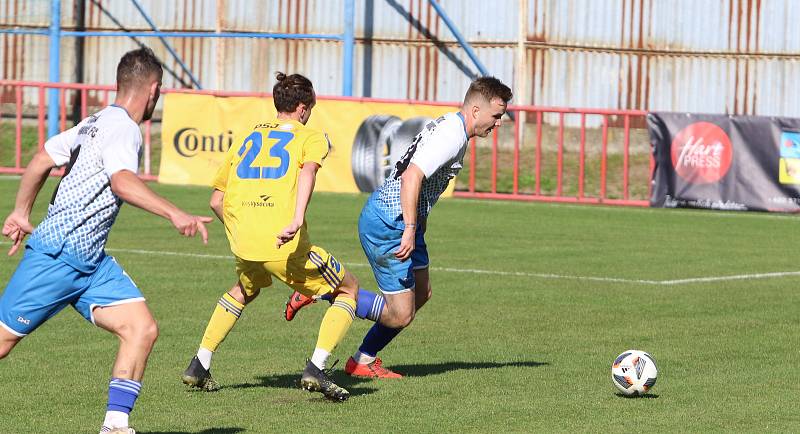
468, 124
289, 117
132, 105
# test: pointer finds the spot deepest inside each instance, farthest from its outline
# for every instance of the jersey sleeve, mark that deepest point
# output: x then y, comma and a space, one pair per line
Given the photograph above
316, 149
221, 178
439, 148
60, 146
121, 149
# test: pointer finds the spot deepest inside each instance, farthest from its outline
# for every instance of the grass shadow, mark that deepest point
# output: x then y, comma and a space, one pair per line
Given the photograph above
645, 396
292, 381
423, 370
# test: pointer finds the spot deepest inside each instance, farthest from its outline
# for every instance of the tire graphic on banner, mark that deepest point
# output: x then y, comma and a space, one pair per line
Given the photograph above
380, 141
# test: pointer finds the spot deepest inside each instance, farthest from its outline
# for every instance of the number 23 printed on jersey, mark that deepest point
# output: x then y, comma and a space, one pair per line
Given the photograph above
246, 169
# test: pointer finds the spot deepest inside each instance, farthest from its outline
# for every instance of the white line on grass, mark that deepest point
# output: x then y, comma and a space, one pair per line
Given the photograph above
755, 276
687, 212
725, 278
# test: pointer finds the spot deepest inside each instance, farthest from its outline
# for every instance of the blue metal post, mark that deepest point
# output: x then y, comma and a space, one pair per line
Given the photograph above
54, 74
464, 44
349, 46
166, 44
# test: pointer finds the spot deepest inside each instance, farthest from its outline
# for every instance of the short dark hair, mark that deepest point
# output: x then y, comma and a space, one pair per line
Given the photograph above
489, 88
290, 91
136, 67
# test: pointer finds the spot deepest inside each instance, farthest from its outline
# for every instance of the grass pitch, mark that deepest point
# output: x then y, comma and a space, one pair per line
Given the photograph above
531, 304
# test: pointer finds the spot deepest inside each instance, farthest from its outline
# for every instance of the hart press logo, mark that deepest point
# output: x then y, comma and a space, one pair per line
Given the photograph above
702, 153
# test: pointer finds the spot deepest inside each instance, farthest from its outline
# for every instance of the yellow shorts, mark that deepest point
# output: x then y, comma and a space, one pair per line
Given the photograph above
316, 273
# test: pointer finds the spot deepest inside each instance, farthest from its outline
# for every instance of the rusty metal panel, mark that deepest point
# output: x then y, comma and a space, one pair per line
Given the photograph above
478, 21
284, 16
680, 27
190, 15
728, 56
34, 13
24, 57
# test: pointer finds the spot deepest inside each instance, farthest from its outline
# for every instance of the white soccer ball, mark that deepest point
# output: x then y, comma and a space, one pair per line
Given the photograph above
634, 372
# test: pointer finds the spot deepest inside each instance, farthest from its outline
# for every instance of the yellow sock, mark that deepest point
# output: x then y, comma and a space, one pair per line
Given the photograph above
335, 323
222, 321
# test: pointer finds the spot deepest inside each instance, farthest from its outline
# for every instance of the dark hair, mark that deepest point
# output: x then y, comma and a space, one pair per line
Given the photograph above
489, 88
137, 67
290, 91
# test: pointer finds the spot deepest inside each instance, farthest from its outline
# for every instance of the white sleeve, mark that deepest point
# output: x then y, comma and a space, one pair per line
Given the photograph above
438, 148
121, 150
60, 146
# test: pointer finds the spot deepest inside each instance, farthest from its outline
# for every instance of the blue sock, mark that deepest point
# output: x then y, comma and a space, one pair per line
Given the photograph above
369, 305
122, 394
377, 338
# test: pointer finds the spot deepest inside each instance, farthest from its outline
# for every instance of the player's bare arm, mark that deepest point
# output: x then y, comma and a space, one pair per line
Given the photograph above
17, 224
305, 186
411, 181
216, 203
128, 187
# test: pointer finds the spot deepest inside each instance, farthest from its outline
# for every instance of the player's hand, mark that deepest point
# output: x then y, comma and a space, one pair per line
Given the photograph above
189, 225
16, 227
287, 234
406, 243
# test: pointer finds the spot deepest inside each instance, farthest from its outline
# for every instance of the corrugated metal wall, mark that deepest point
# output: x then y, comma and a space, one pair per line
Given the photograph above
723, 56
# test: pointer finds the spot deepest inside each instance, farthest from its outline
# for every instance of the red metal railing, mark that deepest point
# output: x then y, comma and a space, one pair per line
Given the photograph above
579, 192
516, 190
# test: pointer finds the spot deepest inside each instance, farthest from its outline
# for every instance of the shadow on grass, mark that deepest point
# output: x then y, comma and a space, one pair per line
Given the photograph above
645, 396
292, 381
205, 431
423, 370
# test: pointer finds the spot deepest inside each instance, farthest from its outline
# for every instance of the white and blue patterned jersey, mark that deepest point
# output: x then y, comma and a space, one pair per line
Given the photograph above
438, 150
84, 208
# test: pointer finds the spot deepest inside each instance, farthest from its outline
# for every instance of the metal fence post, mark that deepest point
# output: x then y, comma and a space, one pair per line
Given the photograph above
54, 75
349, 42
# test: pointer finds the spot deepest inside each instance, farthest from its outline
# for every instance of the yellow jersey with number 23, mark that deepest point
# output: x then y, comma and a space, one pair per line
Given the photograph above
259, 179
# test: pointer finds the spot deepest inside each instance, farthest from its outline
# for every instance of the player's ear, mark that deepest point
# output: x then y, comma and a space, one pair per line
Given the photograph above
153, 89
476, 109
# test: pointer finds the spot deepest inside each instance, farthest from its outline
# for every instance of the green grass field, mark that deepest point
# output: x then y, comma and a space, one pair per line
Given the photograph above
531, 304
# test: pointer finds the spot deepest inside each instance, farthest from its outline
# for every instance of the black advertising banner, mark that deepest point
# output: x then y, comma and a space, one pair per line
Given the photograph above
725, 162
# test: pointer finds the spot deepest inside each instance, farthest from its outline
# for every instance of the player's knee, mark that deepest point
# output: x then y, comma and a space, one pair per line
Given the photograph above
400, 319
405, 319
143, 333
238, 293
348, 286
150, 333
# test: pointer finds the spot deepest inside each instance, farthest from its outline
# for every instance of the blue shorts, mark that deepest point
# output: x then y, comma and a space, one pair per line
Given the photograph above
380, 240
43, 285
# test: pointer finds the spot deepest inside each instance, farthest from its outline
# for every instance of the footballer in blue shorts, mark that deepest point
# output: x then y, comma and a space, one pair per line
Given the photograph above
392, 223
65, 262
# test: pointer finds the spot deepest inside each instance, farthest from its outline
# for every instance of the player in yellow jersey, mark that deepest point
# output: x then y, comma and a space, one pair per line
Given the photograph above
261, 193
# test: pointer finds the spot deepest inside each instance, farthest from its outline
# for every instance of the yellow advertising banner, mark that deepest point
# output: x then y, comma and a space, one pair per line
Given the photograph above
367, 137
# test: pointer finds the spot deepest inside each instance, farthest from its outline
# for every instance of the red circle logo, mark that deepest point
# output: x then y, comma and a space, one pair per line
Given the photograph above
702, 153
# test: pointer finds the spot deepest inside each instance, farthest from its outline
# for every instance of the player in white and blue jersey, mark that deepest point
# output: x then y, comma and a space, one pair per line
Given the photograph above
65, 262
392, 223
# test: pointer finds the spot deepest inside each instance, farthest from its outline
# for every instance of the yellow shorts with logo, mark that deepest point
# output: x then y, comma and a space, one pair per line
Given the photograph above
316, 273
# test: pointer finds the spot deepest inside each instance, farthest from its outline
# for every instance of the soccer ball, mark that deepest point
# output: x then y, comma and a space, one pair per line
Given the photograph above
634, 372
